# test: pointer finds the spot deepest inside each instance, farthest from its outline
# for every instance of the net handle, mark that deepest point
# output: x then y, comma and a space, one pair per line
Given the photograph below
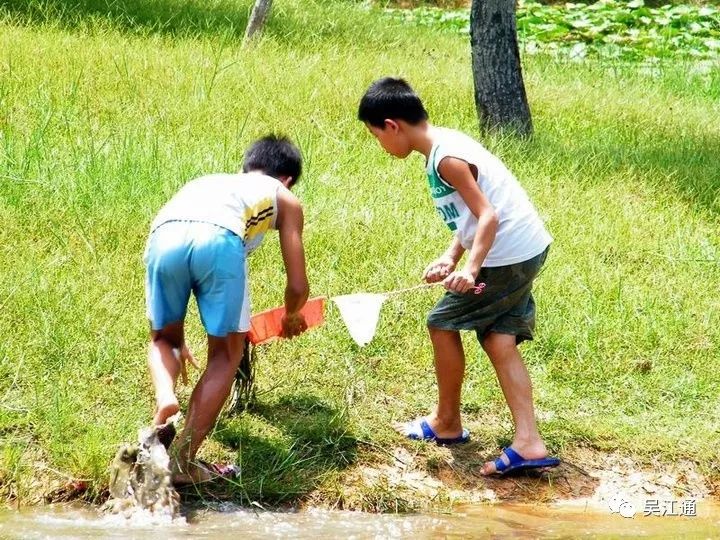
477, 289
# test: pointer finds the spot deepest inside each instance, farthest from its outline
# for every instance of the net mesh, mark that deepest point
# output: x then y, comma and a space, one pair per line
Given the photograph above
360, 313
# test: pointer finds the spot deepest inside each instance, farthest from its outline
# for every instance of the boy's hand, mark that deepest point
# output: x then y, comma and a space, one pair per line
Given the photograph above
460, 281
293, 324
439, 269
183, 357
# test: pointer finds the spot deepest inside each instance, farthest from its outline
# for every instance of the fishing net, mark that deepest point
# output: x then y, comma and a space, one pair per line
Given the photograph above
360, 313
243, 394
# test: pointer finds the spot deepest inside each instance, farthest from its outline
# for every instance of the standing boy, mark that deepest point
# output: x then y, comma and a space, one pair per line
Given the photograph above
494, 221
199, 243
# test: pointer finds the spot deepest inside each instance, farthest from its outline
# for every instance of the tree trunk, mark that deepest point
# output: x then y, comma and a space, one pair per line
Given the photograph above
500, 96
258, 16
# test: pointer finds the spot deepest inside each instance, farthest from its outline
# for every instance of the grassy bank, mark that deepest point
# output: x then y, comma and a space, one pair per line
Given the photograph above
105, 113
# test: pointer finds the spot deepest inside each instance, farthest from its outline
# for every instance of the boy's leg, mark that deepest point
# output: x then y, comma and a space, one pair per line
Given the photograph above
516, 386
219, 277
206, 402
167, 289
449, 359
449, 370
165, 368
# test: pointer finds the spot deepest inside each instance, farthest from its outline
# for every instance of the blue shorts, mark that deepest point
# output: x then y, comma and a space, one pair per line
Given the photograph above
207, 260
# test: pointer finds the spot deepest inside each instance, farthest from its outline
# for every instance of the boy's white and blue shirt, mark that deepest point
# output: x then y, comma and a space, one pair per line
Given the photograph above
245, 204
521, 234
443, 194
200, 241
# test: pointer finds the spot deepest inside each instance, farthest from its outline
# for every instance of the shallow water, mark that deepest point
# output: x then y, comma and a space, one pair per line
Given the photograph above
223, 521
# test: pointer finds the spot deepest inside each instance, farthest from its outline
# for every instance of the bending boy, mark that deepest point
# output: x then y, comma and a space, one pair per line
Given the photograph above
199, 243
494, 221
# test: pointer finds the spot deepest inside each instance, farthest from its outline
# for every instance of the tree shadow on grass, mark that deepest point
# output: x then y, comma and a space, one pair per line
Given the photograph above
689, 165
685, 163
188, 18
693, 170
285, 450
179, 17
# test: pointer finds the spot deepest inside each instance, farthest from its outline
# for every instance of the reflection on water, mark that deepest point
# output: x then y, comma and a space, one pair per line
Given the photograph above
498, 521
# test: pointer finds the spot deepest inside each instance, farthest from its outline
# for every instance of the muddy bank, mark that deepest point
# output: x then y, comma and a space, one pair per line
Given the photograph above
445, 477
437, 479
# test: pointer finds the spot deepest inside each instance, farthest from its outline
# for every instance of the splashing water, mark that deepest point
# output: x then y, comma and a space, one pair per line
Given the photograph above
140, 479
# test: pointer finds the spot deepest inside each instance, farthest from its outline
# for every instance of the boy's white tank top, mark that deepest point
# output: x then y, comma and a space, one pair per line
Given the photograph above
521, 234
245, 204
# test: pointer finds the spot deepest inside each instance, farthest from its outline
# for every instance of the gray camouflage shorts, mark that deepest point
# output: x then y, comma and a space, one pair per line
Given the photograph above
505, 306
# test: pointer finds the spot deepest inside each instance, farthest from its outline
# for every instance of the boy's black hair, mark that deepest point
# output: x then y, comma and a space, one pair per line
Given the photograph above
392, 99
275, 156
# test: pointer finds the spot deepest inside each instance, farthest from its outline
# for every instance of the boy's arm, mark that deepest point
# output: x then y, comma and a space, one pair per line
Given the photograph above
290, 227
457, 173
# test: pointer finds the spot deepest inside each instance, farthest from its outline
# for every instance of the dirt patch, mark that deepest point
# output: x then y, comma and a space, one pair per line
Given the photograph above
32, 482
441, 477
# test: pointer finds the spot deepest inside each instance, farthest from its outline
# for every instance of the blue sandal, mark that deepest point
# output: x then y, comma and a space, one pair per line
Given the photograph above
420, 430
519, 463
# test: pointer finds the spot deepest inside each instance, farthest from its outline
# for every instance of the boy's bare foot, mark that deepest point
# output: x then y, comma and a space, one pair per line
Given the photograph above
165, 410
529, 451
192, 475
204, 472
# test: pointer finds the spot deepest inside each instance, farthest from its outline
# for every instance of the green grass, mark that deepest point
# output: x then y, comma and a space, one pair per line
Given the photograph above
104, 114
